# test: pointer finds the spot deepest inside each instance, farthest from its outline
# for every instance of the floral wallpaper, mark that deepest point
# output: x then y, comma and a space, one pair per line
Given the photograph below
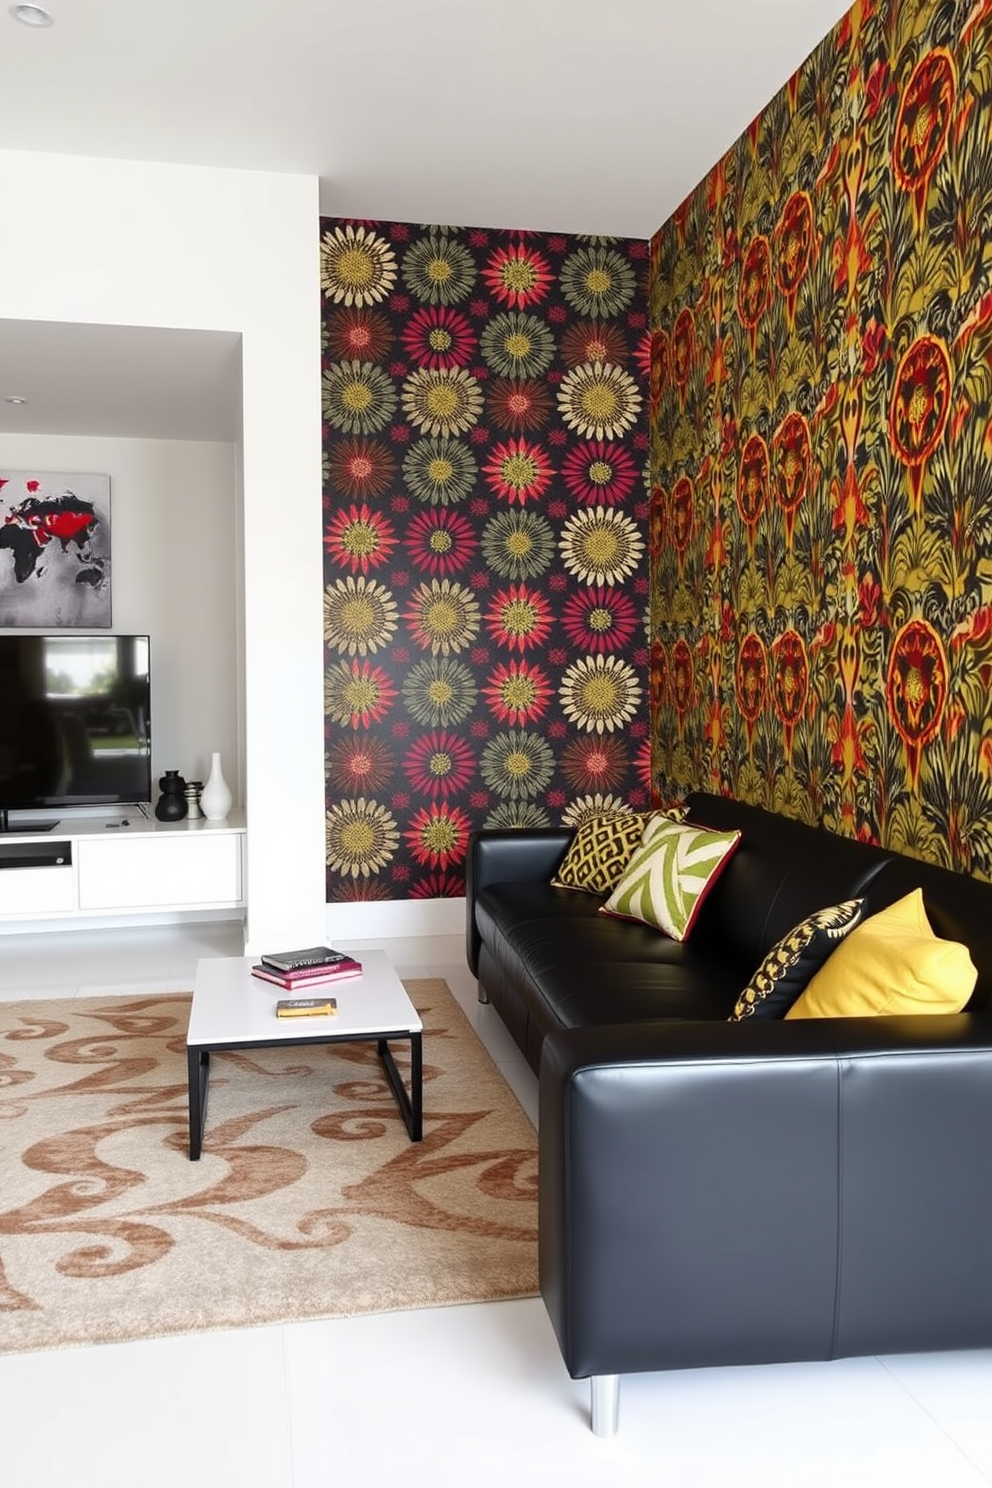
821, 387
486, 541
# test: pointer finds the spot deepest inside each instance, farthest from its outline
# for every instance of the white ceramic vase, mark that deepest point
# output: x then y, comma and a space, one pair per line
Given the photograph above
215, 798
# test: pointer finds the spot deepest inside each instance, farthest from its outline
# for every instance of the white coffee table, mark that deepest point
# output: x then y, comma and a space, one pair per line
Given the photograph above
232, 1009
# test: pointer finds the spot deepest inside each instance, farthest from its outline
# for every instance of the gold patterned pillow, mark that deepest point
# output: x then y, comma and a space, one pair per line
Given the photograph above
785, 972
600, 851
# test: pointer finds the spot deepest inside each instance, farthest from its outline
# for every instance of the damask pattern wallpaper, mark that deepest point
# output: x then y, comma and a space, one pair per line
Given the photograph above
486, 498
821, 519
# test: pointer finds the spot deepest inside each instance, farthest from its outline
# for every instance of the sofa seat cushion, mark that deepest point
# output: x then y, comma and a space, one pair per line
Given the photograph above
573, 965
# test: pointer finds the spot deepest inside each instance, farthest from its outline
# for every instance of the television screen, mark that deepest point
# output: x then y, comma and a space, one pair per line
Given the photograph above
75, 724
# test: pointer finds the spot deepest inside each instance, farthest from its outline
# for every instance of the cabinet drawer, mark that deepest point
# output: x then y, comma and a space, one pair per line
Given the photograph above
160, 872
36, 891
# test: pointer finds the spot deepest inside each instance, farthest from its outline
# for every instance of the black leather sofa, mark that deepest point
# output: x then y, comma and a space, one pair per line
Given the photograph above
740, 1193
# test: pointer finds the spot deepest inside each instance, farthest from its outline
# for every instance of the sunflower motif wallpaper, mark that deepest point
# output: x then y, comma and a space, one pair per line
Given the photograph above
486, 495
821, 386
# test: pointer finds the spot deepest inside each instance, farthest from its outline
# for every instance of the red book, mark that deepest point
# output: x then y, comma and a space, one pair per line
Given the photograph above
314, 977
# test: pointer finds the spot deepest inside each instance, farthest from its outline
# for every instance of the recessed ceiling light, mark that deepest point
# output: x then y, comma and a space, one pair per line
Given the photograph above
15, 398
31, 15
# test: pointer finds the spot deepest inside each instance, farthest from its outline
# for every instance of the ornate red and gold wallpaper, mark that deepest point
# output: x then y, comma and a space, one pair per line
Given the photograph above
485, 541
821, 387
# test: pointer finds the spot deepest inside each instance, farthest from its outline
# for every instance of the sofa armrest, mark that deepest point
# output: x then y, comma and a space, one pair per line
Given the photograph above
507, 856
716, 1194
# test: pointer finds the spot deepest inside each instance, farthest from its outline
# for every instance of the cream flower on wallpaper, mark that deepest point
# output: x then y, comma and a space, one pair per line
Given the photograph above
442, 616
518, 544
442, 401
440, 692
361, 837
440, 471
517, 764
597, 281
356, 266
517, 345
584, 807
358, 397
359, 616
438, 270
601, 545
517, 814
600, 693
599, 400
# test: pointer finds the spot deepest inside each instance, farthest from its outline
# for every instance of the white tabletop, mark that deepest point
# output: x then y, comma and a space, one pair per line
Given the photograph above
231, 1006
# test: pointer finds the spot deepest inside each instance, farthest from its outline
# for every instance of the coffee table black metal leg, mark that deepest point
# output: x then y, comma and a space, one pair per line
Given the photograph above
198, 1071
411, 1103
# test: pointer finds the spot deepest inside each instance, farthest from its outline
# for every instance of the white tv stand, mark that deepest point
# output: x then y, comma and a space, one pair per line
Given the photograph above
90, 868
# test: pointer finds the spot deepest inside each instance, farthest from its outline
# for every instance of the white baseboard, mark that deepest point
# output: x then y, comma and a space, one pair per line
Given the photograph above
395, 917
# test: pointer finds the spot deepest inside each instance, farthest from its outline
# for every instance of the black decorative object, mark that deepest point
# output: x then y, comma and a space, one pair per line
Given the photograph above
171, 804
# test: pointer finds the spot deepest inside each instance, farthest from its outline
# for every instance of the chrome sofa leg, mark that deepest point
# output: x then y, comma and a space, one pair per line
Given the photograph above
604, 1392
483, 995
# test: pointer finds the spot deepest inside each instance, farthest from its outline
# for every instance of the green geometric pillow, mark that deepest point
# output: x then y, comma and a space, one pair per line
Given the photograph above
600, 851
783, 975
670, 874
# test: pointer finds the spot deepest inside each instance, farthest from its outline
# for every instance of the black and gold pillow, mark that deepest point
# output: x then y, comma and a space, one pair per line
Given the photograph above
784, 973
600, 851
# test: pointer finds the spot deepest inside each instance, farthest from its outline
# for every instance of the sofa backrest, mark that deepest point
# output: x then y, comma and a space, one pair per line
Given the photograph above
784, 870
781, 872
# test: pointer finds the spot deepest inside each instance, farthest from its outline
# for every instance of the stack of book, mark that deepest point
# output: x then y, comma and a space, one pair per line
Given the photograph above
314, 966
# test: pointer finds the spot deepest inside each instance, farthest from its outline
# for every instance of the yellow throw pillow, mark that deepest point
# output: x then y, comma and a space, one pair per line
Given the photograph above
891, 963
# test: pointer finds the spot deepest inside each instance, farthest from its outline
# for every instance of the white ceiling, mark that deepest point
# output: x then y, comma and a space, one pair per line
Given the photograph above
593, 116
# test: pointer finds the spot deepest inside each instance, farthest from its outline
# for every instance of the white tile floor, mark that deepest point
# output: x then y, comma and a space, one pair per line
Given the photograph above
461, 1395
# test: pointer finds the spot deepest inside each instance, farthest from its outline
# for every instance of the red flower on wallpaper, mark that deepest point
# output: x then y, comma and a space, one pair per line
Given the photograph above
438, 835
439, 764
593, 341
683, 347
790, 681
437, 336
922, 126
518, 276
599, 472
359, 336
360, 765
792, 456
357, 693
360, 467
519, 618
441, 541
642, 356
518, 692
680, 521
921, 401
359, 538
751, 678
793, 244
599, 620
916, 687
520, 404
754, 286
438, 886
595, 762
752, 482
518, 470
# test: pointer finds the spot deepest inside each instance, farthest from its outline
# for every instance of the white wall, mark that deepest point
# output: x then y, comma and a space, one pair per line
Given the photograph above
126, 243
174, 575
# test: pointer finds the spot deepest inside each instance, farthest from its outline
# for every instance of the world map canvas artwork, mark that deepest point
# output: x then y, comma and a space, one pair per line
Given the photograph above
54, 550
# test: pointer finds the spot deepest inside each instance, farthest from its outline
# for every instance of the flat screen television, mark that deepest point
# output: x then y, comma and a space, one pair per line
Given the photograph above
75, 723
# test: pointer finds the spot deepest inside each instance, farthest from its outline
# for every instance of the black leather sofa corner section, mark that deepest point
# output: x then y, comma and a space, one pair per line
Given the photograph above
714, 1193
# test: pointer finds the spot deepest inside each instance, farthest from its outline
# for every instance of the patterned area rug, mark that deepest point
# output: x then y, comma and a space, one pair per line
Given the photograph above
309, 1199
